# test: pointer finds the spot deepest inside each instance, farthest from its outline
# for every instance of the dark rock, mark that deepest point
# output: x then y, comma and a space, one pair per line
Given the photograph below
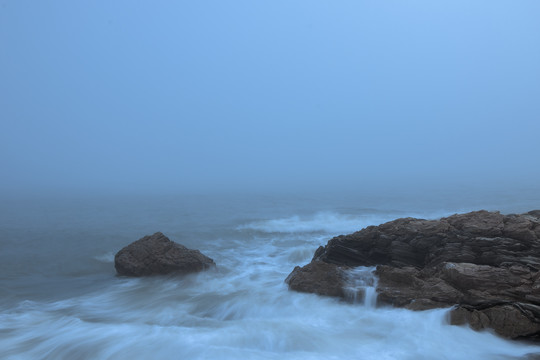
414, 289
485, 262
481, 237
512, 320
157, 255
317, 277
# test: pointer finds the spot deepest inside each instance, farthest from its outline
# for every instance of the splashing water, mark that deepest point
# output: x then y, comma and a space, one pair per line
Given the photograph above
67, 302
361, 286
328, 222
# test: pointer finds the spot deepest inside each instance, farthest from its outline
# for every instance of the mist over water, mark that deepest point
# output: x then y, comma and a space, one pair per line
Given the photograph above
174, 97
255, 132
62, 299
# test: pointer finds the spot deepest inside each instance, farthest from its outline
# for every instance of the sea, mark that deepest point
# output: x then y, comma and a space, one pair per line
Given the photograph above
60, 297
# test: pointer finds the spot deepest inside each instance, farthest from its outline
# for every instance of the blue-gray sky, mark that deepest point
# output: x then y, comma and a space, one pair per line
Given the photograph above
208, 95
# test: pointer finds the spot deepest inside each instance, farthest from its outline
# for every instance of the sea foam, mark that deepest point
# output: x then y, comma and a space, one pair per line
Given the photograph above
329, 222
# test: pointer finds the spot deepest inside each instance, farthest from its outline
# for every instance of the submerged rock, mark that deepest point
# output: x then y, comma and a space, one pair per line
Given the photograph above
157, 255
484, 262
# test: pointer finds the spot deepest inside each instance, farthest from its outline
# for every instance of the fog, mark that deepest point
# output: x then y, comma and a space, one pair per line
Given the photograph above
204, 96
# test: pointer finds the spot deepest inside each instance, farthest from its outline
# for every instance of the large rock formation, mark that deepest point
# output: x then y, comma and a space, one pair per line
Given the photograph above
485, 263
157, 255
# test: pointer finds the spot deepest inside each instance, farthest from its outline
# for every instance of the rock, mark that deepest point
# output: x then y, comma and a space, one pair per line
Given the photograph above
157, 255
481, 237
485, 262
512, 320
410, 288
317, 277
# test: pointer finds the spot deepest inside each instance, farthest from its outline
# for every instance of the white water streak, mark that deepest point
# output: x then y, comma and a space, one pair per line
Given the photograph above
329, 222
361, 286
241, 309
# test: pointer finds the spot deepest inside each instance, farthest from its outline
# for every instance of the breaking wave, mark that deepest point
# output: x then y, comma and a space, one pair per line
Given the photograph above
328, 222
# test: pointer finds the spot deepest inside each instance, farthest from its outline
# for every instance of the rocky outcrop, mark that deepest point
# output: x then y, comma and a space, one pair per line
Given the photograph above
484, 262
157, 255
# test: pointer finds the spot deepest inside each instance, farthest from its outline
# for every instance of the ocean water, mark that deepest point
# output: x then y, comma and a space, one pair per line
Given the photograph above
61, 299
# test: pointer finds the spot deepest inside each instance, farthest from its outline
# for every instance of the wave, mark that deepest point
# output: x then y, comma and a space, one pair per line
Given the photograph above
106, 258
268, 323
328, 222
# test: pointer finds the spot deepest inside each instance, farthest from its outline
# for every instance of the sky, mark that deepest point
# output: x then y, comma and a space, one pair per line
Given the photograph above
181, 96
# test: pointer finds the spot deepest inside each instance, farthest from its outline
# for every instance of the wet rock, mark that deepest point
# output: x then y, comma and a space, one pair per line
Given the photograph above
413, 289
512, 320
481, 237
317, 277
485, 262
157, 255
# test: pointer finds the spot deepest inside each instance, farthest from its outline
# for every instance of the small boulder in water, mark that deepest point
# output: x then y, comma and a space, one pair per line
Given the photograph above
157, 255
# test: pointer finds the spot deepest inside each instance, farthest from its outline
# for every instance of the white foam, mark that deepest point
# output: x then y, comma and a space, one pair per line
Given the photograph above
159, 319
241, 309
361, 285
329, 222
105, 258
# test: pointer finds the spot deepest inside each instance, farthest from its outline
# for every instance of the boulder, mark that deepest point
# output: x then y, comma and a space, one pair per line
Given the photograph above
317, 277
157, 255
484, 263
